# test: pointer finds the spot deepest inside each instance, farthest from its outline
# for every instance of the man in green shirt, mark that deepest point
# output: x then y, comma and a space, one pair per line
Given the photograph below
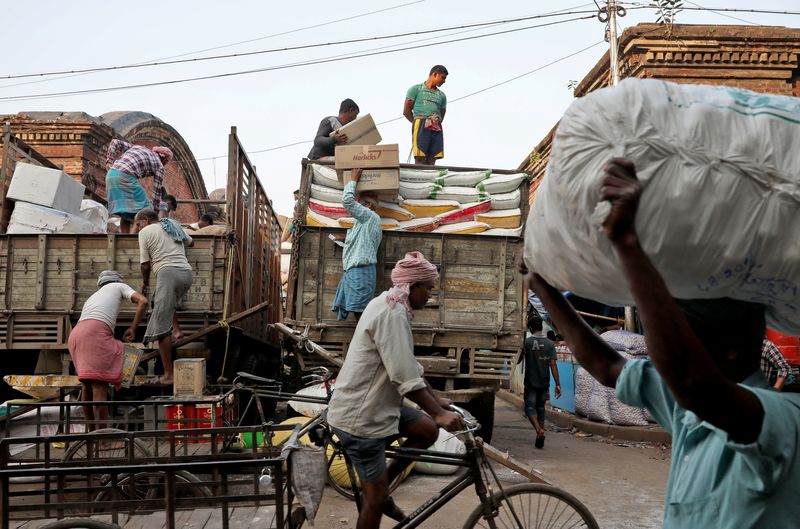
540, 359
425, 107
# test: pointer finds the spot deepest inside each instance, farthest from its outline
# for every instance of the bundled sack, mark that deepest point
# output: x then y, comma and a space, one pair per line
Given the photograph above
719, 213
320, 221
429, 208
96, 213
507, 200
466, 213
325, 175
386, 223
416, 190
464, 178
462, 195
504, 232
501, 218
326, 194
421, 175
332, 210
501, 183
393, 211
420, 225
461, 228
626, 342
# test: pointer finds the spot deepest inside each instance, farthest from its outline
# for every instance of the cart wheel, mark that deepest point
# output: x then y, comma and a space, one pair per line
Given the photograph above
148, 490
105, 451
80, 523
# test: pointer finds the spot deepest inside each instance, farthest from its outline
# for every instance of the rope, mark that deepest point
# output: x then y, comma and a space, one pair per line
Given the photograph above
223, 323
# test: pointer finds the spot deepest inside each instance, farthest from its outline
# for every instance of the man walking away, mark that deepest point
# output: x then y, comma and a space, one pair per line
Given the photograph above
367, 411
328, 135
98, 357
360, 255
127, 164
540, 360
162, 251
425, 107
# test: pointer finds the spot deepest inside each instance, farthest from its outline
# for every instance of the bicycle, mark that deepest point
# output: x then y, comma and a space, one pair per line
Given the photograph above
522, 506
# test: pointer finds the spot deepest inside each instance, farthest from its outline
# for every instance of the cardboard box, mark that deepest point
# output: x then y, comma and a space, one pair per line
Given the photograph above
190, 377
51, 188
385, 182
361, 131
367, 156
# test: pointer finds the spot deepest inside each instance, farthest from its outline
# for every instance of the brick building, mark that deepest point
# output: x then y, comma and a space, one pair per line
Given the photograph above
78, 142
759, 58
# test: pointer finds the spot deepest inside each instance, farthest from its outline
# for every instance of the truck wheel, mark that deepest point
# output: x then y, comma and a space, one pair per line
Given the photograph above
483, 409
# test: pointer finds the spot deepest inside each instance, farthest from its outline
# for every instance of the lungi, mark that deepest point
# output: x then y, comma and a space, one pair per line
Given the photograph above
126, 196
356, 289
97, 355
171, 285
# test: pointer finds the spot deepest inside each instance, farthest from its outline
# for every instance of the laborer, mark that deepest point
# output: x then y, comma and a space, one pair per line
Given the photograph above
774, 366
328, 135
366, 410
162, 250
425, 107
291, 224
539, 354
127, 164
167, 207
360, 255
735, 458
98, 357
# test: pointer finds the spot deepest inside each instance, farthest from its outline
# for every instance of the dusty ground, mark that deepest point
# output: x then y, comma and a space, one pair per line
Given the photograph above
622, 484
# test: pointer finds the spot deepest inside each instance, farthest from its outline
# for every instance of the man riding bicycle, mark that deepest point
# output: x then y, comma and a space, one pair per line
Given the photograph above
366, 411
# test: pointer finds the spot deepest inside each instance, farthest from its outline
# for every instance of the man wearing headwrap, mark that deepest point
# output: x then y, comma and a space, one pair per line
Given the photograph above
127, 164
162, 250
735, 458
357, 285
96, 354
366, 410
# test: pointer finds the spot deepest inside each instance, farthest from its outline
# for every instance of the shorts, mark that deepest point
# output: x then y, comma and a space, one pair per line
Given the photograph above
425, 142
368, 456
535, 399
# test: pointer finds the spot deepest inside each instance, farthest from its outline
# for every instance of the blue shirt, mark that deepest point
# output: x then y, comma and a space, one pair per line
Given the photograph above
713, 481
363, 239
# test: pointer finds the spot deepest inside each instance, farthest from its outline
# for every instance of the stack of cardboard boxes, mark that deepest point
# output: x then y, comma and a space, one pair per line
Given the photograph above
380, 163
190, 385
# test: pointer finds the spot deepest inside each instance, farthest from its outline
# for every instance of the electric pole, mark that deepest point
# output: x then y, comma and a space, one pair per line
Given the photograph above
613, 52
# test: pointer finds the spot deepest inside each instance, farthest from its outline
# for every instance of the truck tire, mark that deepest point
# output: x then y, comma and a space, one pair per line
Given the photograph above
483, 409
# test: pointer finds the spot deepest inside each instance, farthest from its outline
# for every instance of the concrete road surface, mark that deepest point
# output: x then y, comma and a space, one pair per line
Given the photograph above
621, 483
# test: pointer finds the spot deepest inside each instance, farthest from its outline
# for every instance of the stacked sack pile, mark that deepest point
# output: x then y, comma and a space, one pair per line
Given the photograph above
599, 402
430, 200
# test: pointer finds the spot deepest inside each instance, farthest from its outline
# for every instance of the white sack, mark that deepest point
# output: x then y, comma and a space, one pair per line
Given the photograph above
502, 183
33, 218
448, 443
326, 194
416, 190
325, 175
421, 175
463, 195
96, 213
465, 178
719, 214
506, 200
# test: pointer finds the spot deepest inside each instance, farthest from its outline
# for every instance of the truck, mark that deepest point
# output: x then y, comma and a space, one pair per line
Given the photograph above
469, 335
226, 316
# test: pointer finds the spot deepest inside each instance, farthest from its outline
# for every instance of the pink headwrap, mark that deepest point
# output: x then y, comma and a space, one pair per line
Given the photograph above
411, 269
164, 152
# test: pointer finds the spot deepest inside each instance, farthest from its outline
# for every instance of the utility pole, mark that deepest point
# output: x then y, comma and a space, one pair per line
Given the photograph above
613, 52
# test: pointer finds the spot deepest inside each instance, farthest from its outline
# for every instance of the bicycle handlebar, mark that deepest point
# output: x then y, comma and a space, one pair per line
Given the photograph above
470, 421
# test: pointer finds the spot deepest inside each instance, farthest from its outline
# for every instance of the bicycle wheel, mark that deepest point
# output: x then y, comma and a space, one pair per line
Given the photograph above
80, 523
149, 487
534, 506
338, 475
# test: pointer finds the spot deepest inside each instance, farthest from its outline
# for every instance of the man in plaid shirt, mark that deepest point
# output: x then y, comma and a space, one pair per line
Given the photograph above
127, 164
774, 365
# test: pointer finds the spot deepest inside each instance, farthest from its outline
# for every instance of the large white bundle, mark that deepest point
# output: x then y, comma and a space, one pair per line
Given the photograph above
502, 183
463, 195
325, 175
719, 213
416, 190
465, 178
33, 218
448, 443
326, 194
506, 200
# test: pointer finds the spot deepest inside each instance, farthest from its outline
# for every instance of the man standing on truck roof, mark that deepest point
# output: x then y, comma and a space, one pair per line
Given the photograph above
98, 357
328, 135
735, 458
366, 410
127, 164
424, 107
162, 249
539, 354
357, 286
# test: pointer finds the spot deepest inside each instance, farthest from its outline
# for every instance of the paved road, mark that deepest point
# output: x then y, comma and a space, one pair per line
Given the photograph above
621, 483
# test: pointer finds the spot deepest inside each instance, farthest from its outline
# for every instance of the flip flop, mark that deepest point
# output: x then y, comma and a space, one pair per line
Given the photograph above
539, 441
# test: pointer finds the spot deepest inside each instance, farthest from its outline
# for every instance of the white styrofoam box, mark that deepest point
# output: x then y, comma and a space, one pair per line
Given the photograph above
32, 218
51, 188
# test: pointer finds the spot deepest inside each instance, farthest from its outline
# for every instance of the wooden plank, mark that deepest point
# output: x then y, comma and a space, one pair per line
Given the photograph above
242, 517
41, 280
517, 466
211, 328
153, 520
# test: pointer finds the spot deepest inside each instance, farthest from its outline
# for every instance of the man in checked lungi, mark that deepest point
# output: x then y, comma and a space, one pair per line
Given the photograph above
357, 286
127, 164
162, 250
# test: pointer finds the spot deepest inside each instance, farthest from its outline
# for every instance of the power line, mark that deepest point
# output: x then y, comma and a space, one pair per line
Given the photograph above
501, 83
288, 48
296, 30
279, 67
723, 14
641, 5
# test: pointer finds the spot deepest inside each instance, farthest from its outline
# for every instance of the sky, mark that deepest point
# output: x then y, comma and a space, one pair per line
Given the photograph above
494, 128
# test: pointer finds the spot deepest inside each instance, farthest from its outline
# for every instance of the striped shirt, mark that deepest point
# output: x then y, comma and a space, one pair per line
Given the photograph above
773, 364
363, 239
137, 161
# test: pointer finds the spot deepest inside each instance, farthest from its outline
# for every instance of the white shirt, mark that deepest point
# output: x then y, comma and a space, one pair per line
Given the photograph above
104, 304
378, 371
160, 250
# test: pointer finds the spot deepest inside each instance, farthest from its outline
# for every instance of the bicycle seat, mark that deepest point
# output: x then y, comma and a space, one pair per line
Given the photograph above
256, 379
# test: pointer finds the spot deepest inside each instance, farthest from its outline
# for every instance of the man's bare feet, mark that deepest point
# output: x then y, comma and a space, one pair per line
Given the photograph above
164, 380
